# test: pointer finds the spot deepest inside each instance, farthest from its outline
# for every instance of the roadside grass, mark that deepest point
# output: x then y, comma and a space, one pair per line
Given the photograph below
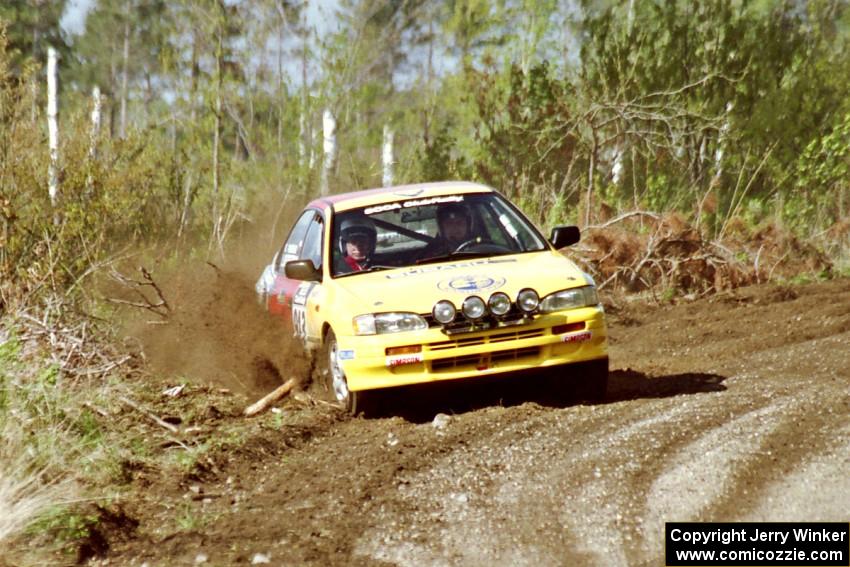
71, 450
53, 450
35, 452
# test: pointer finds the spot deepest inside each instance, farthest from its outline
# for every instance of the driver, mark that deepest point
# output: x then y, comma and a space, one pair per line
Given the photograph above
454, 227
357, 237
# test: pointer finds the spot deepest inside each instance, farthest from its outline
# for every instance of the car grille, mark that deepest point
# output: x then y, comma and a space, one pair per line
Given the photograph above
483, 361
492, 338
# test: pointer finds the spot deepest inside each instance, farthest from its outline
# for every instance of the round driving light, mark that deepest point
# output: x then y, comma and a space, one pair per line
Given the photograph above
499, 303
474, 308
444, 312
528, 300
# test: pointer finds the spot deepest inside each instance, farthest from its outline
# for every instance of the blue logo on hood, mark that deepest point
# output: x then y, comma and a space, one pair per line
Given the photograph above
469, 284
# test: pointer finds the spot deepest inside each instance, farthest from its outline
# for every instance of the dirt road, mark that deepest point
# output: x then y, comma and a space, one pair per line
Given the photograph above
733, 407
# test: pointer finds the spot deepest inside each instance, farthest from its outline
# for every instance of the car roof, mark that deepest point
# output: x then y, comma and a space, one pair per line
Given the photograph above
365, 198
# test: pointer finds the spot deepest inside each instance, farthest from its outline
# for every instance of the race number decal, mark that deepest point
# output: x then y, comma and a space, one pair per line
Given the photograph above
299, 309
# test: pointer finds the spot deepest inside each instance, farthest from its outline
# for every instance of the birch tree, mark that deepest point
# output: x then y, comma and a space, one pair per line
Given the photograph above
53, 126
387, 156
125, 62
329, 147
94, 135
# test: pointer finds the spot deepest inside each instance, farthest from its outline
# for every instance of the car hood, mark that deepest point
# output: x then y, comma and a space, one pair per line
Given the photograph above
417, 288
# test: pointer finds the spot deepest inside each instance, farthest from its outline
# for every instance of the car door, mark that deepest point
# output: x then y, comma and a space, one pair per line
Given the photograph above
306, 322
280, 297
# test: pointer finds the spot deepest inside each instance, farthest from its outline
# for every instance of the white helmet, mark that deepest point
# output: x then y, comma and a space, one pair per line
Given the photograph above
357, 226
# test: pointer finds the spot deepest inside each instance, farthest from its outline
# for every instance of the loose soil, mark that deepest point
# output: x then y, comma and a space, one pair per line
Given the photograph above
733, 407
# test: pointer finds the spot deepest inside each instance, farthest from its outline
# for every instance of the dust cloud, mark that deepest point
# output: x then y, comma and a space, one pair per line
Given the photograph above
216, 331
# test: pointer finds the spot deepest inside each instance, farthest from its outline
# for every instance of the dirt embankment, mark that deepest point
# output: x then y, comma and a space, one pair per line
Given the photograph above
733, 407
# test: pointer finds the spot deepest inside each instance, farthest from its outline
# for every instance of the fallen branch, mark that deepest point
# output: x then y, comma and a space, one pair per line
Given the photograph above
97, 410
270, 398
624, 216
307, 399
156, 419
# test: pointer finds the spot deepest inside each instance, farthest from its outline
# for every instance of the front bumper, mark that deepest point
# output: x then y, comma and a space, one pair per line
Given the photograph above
495, 351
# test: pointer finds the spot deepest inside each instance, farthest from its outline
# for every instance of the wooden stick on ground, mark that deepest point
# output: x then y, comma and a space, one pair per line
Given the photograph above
161, 422
270, 398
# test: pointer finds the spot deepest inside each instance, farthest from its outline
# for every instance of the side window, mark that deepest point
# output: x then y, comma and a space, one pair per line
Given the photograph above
292, 248
313, 242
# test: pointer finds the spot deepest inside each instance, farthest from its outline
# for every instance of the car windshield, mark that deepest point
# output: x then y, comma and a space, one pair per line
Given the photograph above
416, 231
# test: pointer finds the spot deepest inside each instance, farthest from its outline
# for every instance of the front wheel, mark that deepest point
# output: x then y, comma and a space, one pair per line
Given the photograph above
591, 380
584, 381
354, 402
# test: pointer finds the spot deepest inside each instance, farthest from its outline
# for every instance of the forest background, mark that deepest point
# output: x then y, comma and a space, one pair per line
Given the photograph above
728, 122
213, 114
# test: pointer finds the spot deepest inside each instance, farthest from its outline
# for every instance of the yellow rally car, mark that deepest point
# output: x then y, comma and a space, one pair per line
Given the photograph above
438, 281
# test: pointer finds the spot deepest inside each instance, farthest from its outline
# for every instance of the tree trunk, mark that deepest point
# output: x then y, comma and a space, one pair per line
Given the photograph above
52, 127
187, 205
193, 84
95, 134
302, 137
97, 109
429, 77
617, 168
34, 80
306, 133
113, 93
280, 91
217, 138
590, 180
314, 142
125, 59
387, 156
329, 146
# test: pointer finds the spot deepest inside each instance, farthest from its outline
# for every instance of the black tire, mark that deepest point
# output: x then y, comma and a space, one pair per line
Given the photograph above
582, 381
362, 403
591, 380
336, 384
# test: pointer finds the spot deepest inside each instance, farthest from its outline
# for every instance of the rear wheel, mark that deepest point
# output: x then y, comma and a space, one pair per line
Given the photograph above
354, 402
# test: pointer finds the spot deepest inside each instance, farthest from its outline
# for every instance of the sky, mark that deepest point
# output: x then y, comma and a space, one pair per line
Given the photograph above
75, 14
74, 17
319, 16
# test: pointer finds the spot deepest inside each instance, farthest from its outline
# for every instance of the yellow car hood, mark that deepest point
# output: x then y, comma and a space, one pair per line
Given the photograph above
416, 289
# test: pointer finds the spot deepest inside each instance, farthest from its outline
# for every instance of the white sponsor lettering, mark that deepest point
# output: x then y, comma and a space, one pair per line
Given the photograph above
382, 208
577, 337
403, 359
432, 201
414, 203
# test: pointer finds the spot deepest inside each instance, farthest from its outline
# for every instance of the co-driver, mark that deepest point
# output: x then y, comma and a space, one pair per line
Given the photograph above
357, 238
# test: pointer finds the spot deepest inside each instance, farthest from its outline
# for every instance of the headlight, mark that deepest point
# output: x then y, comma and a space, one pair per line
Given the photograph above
570, 299
527, 300
473, 308
444, 311
382, 323
499, 303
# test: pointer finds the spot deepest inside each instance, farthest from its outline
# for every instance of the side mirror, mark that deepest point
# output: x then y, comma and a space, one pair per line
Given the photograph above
303, 270
564, 236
